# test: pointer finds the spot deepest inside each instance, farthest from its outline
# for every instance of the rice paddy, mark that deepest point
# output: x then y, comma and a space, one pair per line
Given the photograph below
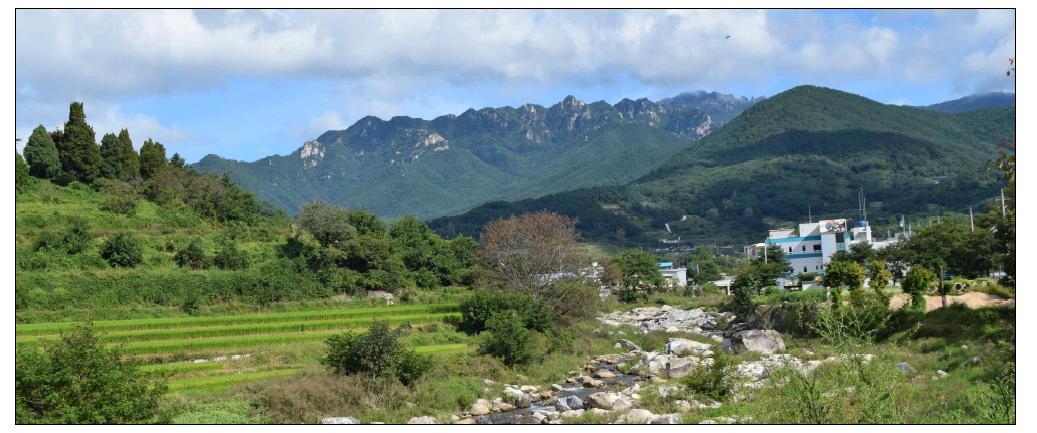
217, 352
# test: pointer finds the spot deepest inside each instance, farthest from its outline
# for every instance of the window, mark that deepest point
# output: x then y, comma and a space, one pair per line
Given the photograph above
804, 269
790, 249
804, 248
817, 247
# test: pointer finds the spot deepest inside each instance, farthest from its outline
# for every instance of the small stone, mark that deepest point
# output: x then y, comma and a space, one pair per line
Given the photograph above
604, 374
707, 421
906, 368
637, 416
556, 387
507, 407
488, 382
465, 421
528, 388
668, 419
480, 407
423, 420
941, 373
572, 413
340, 420
682, 406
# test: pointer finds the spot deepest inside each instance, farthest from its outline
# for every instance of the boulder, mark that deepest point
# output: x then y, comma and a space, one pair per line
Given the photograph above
604, 374
941, 373
682, 406
340, 420
637, 416
507, 407
680, 367
513, 393
906, 368
760, 341
571, 402
682, 346
572, 413
423, 420
609, 401
480, 407
627, 344
556, 387
590, 382
465, 421
670, 418
528, 388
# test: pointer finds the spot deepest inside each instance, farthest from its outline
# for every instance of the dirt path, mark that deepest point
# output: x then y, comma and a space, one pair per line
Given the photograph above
970, 299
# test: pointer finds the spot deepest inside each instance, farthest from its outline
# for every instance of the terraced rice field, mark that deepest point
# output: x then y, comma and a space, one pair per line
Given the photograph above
208, 353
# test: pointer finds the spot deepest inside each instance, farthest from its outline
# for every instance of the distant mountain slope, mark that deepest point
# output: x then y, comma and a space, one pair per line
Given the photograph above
978, 101
452, 163
808, 146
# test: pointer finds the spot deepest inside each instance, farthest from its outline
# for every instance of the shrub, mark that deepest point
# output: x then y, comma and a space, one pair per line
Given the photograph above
712, 381
122, 250
76, 380
480, 307
120, 197
916, 283
377, 353
78, 237
745, 287
48, 240
509, 339
230, 257
192, 256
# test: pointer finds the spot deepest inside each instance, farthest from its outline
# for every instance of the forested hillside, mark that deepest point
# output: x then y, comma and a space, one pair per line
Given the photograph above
808, 147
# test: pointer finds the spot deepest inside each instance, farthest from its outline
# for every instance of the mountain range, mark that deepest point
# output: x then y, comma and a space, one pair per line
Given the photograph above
806, 150
452, 163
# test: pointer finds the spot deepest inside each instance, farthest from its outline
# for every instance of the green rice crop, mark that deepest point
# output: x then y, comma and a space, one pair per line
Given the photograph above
224, 380
179, 368
249, 329
182, 322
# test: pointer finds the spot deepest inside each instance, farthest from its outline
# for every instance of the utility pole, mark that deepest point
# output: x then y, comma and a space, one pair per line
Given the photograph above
765, 253
810, 214
1002, 203
972, 223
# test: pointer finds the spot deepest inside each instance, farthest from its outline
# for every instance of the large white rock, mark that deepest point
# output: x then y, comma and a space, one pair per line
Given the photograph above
480, 407
680, 367
760, 341
637, 416
683, 346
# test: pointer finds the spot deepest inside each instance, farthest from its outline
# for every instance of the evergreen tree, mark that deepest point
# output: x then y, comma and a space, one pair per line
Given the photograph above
21, 173
120, 160
177, 161
42, 155
152, 158
132, 160
78, 151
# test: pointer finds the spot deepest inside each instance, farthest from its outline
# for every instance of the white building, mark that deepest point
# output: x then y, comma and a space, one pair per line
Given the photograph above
811, 248
676, 277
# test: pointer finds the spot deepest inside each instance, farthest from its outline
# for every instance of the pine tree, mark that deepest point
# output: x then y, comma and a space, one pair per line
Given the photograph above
132, 160
78, 151
42, 155
177, 161
120, 160
152, 158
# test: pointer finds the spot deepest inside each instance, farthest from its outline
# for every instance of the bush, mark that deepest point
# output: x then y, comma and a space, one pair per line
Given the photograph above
76, 380
120, 197
711, 381
48, 240
78, 237
230, 257
192, 256
509, 339
478, 309
377, 353
122, 251
916, 283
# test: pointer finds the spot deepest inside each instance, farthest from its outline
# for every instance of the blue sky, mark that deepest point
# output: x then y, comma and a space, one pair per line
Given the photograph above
246, 84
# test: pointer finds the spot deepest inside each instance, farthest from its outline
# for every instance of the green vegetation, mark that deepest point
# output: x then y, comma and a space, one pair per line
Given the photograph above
59, 382
377, 353
509, 339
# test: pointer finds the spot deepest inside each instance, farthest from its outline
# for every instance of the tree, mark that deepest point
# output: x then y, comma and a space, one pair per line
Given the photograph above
122, 251
772, 264
530, 252
77, 380
509, 339
878, 275
230, 257
80, 157
916, 283
120, 160
839, 273
746, 286
42, 155
21, 174
702, 266
177, 161
640, 272
862, 253
152, 158
328, 224
378, 353
192, 256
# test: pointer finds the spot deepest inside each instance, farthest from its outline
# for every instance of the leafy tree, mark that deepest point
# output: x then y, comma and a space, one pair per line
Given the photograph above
77, 380
80, 157
366, 222
120, 160
745, 287
152, 158
122, 251
192, 256
378, 353
22, 179
703, 266
482, 305
230, 257
878, 275
641, 276
119, 196
772, 264
42, 155
840, 273
509, 339
328, 224
917, 283
862, 253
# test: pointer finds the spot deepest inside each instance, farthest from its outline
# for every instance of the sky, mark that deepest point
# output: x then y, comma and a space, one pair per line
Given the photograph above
247, 84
